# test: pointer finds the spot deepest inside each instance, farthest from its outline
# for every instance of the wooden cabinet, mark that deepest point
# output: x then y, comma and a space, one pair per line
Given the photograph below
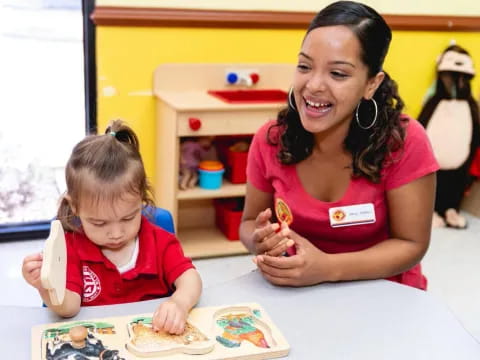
181, 95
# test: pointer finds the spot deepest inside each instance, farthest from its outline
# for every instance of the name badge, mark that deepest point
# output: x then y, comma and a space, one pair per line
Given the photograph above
352, 215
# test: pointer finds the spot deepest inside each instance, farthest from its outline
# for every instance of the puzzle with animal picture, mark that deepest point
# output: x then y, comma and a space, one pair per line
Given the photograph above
243, 331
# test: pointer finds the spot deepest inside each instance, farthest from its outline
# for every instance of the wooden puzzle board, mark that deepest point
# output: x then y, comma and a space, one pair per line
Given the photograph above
242, 331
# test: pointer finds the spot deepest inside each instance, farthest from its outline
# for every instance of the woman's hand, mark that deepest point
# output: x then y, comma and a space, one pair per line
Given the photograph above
31, 270
270, 238
308, 266
171, 317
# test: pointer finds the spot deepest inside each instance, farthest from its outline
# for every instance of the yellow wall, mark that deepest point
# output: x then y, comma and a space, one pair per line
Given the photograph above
411, 62
425, 7
127, 57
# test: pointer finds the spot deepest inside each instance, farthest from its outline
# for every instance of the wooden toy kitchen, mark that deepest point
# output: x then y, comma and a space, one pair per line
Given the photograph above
227, 102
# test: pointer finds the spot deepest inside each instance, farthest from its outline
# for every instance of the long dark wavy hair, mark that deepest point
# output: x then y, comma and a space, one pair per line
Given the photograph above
369, 148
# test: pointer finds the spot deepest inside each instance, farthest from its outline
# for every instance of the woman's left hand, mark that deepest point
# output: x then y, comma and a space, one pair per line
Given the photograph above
308, 266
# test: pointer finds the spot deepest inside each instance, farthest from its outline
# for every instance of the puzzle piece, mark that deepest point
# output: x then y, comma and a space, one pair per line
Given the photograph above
54, 268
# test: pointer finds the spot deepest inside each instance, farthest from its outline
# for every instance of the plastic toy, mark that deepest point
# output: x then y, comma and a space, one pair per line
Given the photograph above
192, 152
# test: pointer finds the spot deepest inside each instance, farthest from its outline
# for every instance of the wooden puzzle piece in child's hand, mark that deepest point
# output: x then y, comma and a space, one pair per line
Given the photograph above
241, 331
53, 274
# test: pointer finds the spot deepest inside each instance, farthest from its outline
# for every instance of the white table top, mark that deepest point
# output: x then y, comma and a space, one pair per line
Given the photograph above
353, 320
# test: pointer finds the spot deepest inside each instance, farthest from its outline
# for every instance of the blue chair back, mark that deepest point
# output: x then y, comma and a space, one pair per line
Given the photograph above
160, 217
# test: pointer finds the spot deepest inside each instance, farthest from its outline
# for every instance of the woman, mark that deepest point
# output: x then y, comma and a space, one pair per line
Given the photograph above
358, 177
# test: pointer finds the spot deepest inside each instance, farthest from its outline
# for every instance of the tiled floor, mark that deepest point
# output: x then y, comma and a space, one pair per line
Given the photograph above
452, 266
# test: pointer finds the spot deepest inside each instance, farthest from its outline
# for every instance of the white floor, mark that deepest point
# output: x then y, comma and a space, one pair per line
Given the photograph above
452, 266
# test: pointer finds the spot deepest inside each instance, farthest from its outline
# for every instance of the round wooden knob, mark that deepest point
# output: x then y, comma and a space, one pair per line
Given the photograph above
232, 78
78, 334
194, 123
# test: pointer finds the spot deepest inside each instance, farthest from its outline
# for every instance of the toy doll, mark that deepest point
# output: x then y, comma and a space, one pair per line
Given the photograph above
451, 119
192, 151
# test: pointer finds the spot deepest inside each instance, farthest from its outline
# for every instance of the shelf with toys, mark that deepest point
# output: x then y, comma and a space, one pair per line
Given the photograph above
226, 190
189, 120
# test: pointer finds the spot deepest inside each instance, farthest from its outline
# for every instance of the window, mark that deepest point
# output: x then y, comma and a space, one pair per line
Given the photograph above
43, 105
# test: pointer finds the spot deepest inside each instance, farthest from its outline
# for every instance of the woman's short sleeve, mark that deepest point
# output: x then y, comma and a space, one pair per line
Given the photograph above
258, 160
413, 161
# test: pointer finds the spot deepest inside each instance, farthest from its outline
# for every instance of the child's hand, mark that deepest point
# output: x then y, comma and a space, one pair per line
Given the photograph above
269, 238
171, 317
32, 265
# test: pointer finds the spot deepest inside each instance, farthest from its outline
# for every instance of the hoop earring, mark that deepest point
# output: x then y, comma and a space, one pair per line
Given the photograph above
374, 118
290, 101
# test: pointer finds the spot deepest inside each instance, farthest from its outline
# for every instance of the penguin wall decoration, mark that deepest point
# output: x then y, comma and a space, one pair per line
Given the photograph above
451, 119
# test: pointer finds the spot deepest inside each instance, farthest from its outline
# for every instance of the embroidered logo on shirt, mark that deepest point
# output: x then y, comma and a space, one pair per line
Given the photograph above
91, 284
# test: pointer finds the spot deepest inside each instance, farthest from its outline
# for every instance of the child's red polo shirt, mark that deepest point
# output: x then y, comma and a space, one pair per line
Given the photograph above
96, 279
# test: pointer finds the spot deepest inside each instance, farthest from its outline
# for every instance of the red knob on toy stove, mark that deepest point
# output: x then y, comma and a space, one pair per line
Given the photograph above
194, 123
254, 77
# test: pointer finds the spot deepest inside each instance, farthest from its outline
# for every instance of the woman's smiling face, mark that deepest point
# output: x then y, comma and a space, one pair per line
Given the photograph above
331, 78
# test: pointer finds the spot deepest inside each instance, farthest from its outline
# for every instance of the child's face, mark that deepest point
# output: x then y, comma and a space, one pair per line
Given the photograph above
112, 225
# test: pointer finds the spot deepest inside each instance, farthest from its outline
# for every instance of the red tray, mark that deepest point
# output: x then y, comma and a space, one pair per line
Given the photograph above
250, 96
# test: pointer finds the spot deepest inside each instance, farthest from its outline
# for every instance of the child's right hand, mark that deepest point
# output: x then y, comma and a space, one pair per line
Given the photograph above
32, 265
171, 317
267, 238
